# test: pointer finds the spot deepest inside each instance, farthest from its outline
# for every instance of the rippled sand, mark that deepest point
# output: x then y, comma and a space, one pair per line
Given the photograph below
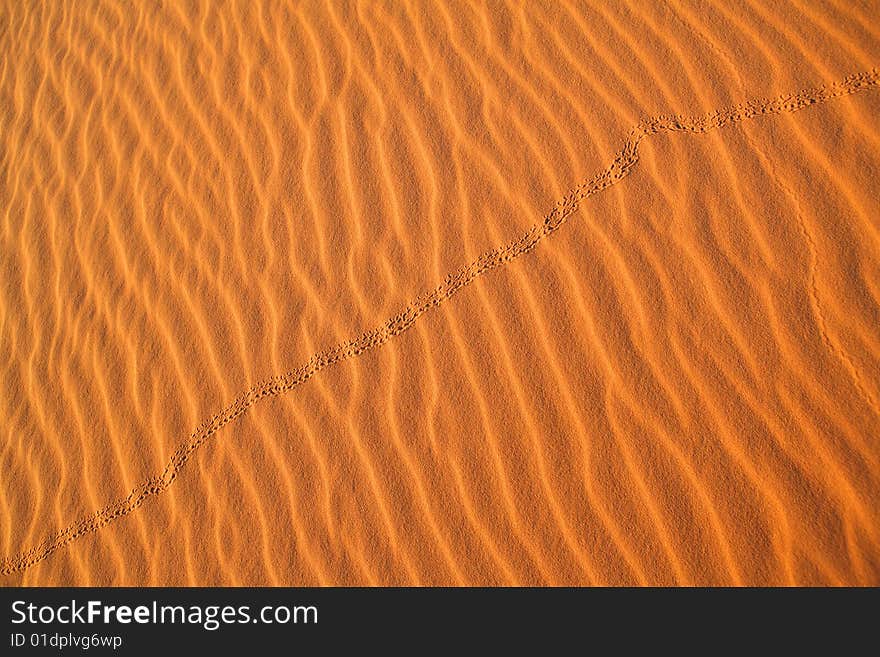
439, 293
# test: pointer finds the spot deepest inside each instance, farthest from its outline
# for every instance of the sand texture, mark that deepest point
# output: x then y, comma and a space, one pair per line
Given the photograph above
394, 293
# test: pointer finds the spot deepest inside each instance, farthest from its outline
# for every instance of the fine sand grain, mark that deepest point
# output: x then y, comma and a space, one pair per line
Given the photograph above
429, 293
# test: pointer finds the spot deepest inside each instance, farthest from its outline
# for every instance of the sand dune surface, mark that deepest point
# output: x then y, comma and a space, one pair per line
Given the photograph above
395, 293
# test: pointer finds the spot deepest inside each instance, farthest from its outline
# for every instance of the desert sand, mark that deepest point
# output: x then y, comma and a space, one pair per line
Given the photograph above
419, 293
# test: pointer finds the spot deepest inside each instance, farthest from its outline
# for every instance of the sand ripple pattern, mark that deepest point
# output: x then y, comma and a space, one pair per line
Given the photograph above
681, 387
625, 160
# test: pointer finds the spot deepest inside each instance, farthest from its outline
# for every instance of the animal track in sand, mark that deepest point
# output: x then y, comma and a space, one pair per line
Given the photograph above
624, 161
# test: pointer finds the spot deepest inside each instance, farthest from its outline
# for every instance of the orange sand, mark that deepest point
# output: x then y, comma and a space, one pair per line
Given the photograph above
428, 293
